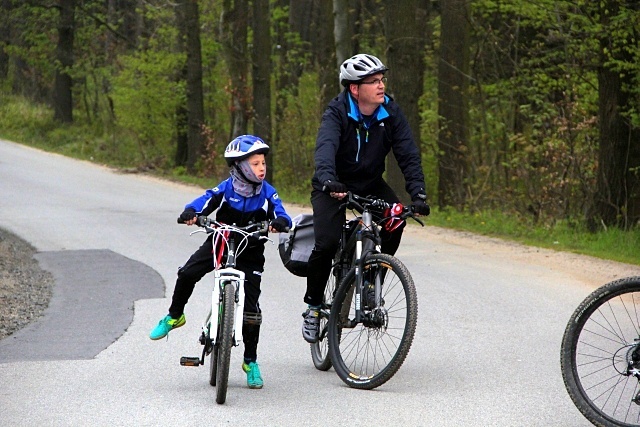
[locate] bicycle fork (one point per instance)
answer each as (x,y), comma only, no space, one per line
(208,338)
(364,246)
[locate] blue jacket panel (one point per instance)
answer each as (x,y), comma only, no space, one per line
(233,208)
(352,150)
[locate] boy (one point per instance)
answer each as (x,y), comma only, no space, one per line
(244,197)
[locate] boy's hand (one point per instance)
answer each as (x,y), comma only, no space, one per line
(188,217)
(279,225)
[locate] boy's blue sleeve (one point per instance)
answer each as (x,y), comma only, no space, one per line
(278,207)
(208,202)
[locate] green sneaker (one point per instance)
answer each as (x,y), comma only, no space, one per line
(254,379)
(167,324)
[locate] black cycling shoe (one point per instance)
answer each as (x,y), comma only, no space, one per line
(311,325)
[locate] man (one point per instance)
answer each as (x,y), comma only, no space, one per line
(358,129)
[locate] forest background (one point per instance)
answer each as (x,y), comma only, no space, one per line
(526,112)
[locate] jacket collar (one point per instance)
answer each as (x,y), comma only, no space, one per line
(353,112)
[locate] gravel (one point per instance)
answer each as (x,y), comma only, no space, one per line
(25,289)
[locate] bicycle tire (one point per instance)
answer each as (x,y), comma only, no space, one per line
(226,342)
(320,349)
(599,347)
(367,356)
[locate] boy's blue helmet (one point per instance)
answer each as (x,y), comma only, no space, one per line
(244,146)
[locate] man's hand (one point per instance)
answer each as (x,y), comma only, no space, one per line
(335,189)
(420,207)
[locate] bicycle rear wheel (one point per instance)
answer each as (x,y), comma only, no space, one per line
(368,354)
(225,342)
(600,354)
(320,349)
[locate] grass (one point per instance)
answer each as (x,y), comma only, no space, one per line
(34,126)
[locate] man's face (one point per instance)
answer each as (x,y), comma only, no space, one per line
(370,90)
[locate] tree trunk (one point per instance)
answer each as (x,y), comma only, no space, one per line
(617,199)
(342,31)
(63,101)
(195,103)
(234,39)
(326,53)
(5,37)
(262,78)
(406,69)
(453,72)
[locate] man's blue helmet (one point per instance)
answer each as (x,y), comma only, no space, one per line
(244,146)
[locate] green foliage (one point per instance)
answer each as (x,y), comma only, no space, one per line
(293,155)
(533,100)
(147,93)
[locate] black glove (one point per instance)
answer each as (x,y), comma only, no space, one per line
(280,224)
(419,205)
(187,215)
(334,187)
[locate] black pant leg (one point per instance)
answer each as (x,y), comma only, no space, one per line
(327,227)
(199,264)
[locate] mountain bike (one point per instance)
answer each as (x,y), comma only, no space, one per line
(600,354)
(222,328)
(373,310)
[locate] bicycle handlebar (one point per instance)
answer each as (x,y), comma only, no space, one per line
(204,222)
(361,203)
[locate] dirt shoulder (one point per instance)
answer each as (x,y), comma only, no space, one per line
(591,270)
(25,289)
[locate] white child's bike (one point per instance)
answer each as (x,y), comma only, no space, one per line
(222,328)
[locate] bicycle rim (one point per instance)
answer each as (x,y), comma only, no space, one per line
(600,354)
(226,342)
(320,349)
(369,354)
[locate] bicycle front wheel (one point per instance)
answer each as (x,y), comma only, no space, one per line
(368,354)
(600,354)
(225,342)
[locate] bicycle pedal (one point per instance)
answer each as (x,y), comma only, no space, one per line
(189,361)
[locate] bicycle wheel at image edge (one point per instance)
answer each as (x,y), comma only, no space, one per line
(225,342)
(370,353)
(600,354)
(320,349)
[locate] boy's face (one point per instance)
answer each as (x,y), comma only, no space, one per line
(258,165)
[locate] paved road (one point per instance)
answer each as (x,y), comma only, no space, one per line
(485,352)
